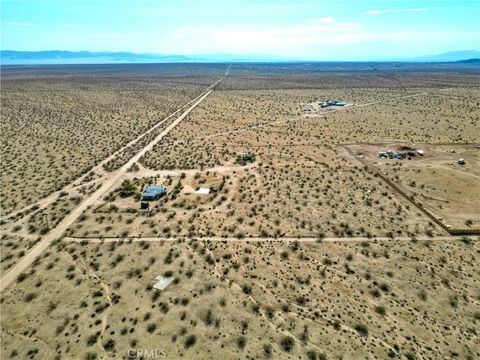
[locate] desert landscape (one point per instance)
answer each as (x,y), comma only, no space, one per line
(282,228)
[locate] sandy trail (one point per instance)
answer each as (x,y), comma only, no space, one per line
(263,239)
(144,172)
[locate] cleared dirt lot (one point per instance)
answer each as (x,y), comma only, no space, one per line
(448,190)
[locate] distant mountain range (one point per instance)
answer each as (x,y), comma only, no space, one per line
(450,56)
(13,57)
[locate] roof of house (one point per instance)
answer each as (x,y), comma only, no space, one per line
(203,191)
(154,189)
(163,282)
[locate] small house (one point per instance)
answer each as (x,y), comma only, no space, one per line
(336,103)
(163,282)
(461,161)
(420,152)
(153,192)
(382,154)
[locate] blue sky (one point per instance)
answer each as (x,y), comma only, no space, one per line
(312,29)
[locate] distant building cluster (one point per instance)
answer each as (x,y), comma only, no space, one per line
(333,103)
(408,153)
(392,154)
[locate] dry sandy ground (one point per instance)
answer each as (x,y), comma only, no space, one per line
(57,230)
(448,190)
(241,299)
(270,299)
(303,183)
(54,129)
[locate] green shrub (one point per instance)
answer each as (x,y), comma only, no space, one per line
(287,343)
(362,329)
(190,341)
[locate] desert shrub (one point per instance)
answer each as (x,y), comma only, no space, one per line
(313,355)
(267,350)
(91,356)
(51,306)
(241,342)
(109,345)
(164,308)
(151,328)
(384,287)
(29,297)
(92,339)
(362,329)
(247,289)
(422,295)
(287,343)
(301,300)
(190,341)
(270,312)
(380,310)
(21,277)
(453,300)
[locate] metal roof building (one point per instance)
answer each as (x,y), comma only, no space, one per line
(153,192)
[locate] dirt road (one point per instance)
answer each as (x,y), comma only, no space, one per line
(46,201)
(110,180)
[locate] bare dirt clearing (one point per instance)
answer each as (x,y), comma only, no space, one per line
(447,189)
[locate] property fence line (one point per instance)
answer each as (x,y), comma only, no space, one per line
(410,198)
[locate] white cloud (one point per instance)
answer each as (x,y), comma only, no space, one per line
(312,32)
(323,20)
(16,23)
(378,12)
(322,38)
